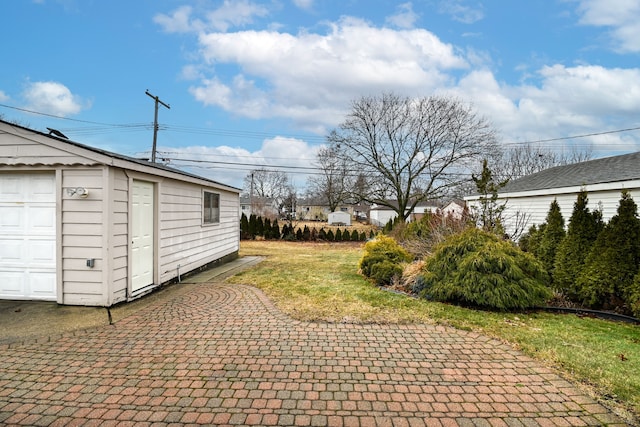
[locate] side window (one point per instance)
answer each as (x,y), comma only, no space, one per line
(210,208)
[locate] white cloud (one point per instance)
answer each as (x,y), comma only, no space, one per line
(314,76)
(3,97)
(303,4)
(179,21)
(310,78)
(461,12)
(621,16)
(52,98)
(566,101)
(232,13)
(405,17)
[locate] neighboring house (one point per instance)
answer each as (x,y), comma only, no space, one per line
(455,209)
(380,215)
(83,226)
(528,198)
(260,206)
(312,209)
(339,218)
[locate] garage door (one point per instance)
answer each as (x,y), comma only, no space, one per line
(27,236)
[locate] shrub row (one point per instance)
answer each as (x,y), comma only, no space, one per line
(258,227)
(593,264)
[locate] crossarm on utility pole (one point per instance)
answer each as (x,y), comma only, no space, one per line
(155,124)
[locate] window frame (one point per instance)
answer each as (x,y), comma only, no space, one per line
(210,212)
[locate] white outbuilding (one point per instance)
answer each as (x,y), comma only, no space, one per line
(339,218)
(528,199)
(83,226)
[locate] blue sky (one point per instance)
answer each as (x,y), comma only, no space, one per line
(255,83)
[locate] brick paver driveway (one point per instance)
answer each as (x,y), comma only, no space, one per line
(223,355)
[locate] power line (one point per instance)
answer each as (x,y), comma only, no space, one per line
(575,136)
(251,134)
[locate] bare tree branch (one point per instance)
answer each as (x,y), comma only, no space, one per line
(411,150)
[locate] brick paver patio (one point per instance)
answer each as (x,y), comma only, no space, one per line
(220,354)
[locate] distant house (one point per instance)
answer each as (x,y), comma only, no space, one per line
(315,209)
(530,197)
(312,209)
(380,215)
(83,226)
(260,206)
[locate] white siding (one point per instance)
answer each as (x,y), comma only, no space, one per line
(184,240)
(120,235)
(380,218)
(15,150)
(83,228)
(535,205)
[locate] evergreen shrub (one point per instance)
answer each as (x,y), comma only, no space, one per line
(378,254)
(611,266)
(480,269)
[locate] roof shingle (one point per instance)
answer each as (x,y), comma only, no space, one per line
(608,169)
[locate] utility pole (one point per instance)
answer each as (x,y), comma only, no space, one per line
(155,124)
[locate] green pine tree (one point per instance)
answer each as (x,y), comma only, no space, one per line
(266,228)
(611,266)
(244,227)
(583,230)
(252,226)
(259,226)
(489,213)
(275,230)
(552,236)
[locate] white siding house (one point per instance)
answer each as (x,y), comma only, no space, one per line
(83,226)
(603,179)
(380,215)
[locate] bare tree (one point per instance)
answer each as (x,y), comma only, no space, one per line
(266,187)
(525,159)
(411,150)
(332,185)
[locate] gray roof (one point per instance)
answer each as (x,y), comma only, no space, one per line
(608,169)
(143,162)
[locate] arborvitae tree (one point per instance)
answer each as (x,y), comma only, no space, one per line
(372,234)
(388,226)
(259,226)
(266,228)
(551,237)
(363,236)
(322,234)
(583,230)
(244,227)
(286,231)
(338,237)
(275,230)
(299,235)
(306,234)
(252,226)
(633,299)
(355,236)
(607,278)
(314,234)
(530,242)
(489,213)
(330,236)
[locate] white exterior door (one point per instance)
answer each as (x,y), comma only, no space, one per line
(28,236)
(142,235)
